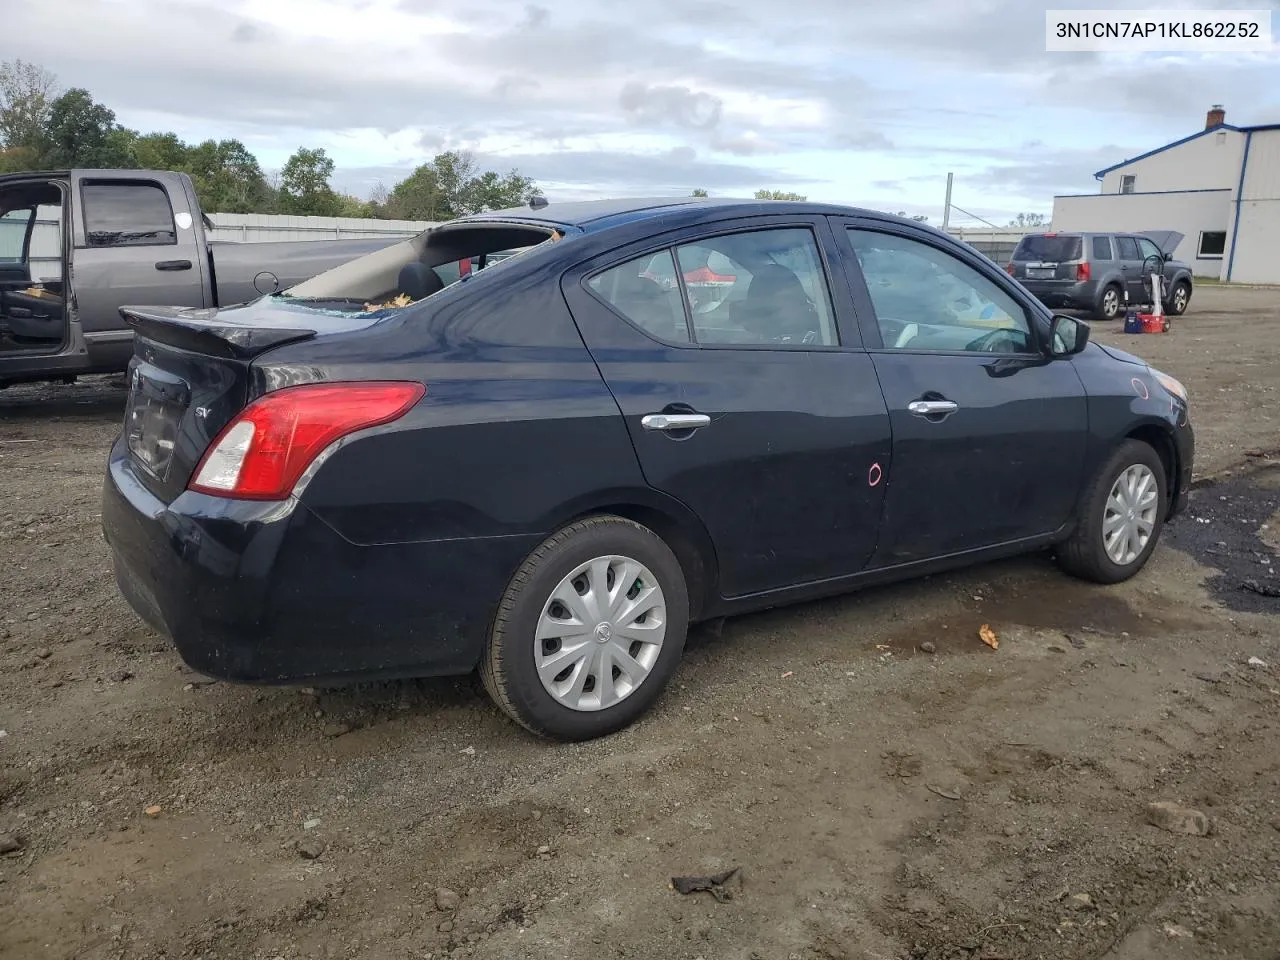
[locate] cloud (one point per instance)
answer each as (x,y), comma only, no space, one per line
(843,96)
(657,104)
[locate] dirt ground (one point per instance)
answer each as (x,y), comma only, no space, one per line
(879,800)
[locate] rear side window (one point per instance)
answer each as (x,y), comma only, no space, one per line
(645,291)
(1102,248)
(759,288)
(127,215)
(1128,248)
(1048,248)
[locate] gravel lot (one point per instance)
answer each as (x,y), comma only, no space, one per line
(879,800)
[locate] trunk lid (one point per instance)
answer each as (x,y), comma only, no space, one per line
(1047,256)
(190,376)
(1166,240)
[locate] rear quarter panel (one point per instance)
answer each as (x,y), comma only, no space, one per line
(516,433)
(237,266)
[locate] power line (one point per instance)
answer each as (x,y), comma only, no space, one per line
(974,216)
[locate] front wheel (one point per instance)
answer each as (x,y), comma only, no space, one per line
(1179,298)
(1120,517)
(589,631)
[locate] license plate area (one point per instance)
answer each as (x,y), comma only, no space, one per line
(1042,271)
(157,402)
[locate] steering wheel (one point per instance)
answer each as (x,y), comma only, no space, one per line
(996,341)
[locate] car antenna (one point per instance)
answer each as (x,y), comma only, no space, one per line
(537,202)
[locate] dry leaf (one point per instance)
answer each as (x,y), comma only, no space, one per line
(403,300)
(989,637)
(153,811)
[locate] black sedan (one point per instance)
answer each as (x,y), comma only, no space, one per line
(645,414)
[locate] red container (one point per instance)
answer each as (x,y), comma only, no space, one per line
(1152,323)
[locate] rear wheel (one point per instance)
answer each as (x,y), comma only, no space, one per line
(589,630)
(1120,516)
(1110,303)
(1179,298)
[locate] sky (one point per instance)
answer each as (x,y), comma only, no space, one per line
(849,101)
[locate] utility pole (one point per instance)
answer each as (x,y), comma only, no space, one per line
(946,207)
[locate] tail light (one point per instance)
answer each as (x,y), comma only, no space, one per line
(1009,269)
(262,453)
(1082,271)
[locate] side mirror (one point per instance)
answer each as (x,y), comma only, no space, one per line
(1067,335)
(1167,257)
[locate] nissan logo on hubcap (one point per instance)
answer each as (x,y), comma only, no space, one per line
(604,632)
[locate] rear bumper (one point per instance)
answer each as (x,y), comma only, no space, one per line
(269,593)
(1062,293)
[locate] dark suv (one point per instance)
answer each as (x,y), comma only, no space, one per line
(1101,272)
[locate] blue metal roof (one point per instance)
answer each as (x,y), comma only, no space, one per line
(1168,146)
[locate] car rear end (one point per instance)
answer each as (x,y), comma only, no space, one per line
(1055,268)
(210,543)
(301,491)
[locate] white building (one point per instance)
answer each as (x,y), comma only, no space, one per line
(1220,188)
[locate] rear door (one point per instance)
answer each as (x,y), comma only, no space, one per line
(735,360)
(1131,265)
(135,243)
(988,433)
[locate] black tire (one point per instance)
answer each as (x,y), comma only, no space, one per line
(508,667)
(1179,298)
(1110,302)
(1084,555)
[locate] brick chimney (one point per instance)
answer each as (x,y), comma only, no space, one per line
(1215,117)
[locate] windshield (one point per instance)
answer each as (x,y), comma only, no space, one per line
(1047,247)
(405,273)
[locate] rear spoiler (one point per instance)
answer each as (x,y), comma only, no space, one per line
(202,331)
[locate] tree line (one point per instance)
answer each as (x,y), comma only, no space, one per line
(43,127)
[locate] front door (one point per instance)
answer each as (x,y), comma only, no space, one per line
(723,349)
(988,433)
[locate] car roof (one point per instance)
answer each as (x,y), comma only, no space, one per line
(593,215)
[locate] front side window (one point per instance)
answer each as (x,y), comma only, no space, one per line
(1149,249)
(127,215)
(645,291)
(759,288)
(928,299)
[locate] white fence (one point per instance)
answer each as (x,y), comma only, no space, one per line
(46,239)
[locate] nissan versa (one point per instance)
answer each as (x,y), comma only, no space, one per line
(647,414)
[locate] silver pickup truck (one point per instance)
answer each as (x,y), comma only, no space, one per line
(115,237)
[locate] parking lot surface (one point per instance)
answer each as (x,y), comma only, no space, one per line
(879,800)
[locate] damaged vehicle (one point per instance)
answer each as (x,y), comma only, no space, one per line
(646,414)
(76,245)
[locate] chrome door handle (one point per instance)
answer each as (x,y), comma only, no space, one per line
(674,421)
(931,408)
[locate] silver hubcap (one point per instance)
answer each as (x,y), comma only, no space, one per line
(1180,299)
(600,633)
(1130,516)
(1110,303)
